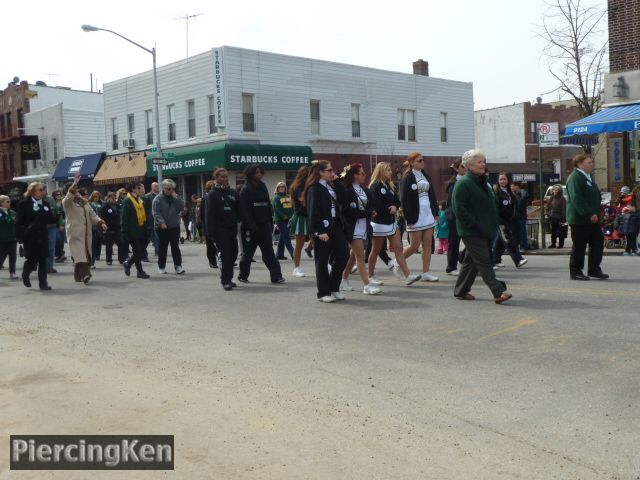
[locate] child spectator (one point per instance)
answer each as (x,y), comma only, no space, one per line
(629,226)
(442,229)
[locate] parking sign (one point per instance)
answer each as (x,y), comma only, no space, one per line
(549,134)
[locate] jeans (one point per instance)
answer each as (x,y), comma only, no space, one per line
(52,236)
(519,233)
(61,239)
(285,239)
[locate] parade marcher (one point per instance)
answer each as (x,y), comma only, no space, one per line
(506,203)
(453,252)
(81,218)
(133,221)
(110,213)
(166,217)
(257,225)
(123,245)
(386,204)
(474,206)
(33,214)
(152,233)
(95,202)
(357,208)
(282,213)
(212,251)
(326,226)
(52,233)
(520,236)
(221,221)
(149,232)
(299,224)
(198,220)
(558,217)
(420,209)
(8,244)
(583,216)
(61,234)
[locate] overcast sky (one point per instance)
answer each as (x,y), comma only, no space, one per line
(491,43)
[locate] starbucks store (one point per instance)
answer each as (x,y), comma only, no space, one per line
(191,167)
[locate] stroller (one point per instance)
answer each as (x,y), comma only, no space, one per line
(612,236)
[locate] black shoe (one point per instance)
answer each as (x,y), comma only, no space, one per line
(127,268)
(26,281)
(281,257)
(181,240)
(45,288)
(553,245)
(599,275)
(86,279)
(52,270)
(142,274)
(227,286)
(308,252)
(213,265)
(579,276)
(253,261)
(233,284)
(243,280)
(146,260)
(279,280)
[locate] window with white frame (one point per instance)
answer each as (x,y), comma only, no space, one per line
(355,120)
(131,125)
(114,134)
(148,126)
(54,144)
(407,125)
(443,126)
(212,114)
(248,118)
(191,118)
(171,122)
(314,106)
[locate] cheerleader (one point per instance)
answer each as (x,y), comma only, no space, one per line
(383,223)
(420,209)
(321,200)
(356,210)
(299,224)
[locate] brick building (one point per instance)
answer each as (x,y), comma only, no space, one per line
(14,104)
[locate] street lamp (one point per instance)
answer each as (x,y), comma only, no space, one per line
(540,183)
(152,51)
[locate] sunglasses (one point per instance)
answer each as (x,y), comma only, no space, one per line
(328,170)
(40,189)
(420,160)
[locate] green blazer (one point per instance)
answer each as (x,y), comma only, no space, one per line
(474,206)
(129,228)
(584,199)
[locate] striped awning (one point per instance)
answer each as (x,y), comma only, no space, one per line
(623,118)
(118,169)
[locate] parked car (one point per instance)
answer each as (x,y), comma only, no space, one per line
(547,195)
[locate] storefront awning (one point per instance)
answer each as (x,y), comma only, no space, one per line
(32,178)
(119,169)
(624,118)
(87,165)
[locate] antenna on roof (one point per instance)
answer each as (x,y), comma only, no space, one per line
(186,19)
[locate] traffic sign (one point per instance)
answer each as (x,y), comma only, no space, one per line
(165,154)
(159,161)
(549,134)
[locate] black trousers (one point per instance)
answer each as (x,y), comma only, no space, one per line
(477,260)
(212,251)
(8,249)
(123,250)
(336,249)
(453,253)
(261,238)
(137,251)
(632,244)
(557,233)
(583,235)
(96,245)
(170,236)
(505,242)
(39,263)
(226,242)
(109,240)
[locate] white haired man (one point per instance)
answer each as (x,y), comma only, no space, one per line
(476,214)
(167,207)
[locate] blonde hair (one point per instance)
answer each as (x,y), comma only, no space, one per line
(281,184)
(4,198)
(94,194)
(32,188)
(120,192)
(379,174)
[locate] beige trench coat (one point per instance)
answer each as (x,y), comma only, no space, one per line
(80,219)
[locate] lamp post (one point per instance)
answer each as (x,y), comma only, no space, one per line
(152,51)
(540,183)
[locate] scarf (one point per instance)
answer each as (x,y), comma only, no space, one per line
(140,212)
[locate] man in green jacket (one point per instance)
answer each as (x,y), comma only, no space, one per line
(133,222)
(583,215)
(474,206)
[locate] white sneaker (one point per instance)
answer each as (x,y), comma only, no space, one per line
(354,269)
(339,295)
(392,265)
(500,265)
(397,271)
(327,299)
(162,270)
(427,277)
(180,270)
(346,285)
(522,262)
(375,281)
(411,279)
(495,267)
(298,272)
(453,273)
(371,290)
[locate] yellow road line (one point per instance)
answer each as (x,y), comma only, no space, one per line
(512,328)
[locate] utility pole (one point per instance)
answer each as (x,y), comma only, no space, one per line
(186,19)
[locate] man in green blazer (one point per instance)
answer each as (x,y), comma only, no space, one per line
(583,216)
(133,222)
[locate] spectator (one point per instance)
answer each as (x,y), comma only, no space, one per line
(520,235)
(8,242)
(629,224)
(558,217)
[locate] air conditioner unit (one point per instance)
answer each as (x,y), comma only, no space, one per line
(129,143)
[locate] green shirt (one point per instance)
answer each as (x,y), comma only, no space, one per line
(7,226)
(475,208)
(282,207)
(584,199)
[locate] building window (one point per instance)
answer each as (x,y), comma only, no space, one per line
(248,119)
(131,125)
(9,126)
(443,127)
(20,118)
(2,132)
(171,120)
(407,125)
(355,120)
(43,150)
(212,114)
(314,106)
(191,118)
(114,134)
(148,125)
(54,143)
(534,132)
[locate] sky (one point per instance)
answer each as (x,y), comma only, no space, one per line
(491,43)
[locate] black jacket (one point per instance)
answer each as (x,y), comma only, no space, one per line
(221,207)
(351,212)
(110,213)
(383,197)
(255,206)
(410,197)
(521,205)
(31,227)
(298,207)
(129,228)
(319,209)
(506,202)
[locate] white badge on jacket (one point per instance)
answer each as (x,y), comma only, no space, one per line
(414,187)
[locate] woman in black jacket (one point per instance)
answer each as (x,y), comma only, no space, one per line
(506,201)
(420,209)
(32,216)
(453,252)
(257,225)
(326,226)
(110,213)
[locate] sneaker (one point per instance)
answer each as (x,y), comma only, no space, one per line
(327,299)
(453,273)
(13,276)
(86,279)
(180,270)
(242,279)
(281,257)
(522,262)
(375,281)
(499,265)
(397,271)
(371,290)
(495,267)
(213,265)
(142,274)
(339,295)
(298,272)
(346,286)
(427,277)
(45,288)
(392,265)
(411,279)
(626,254)
(354,269)
(162,270)
(127,268)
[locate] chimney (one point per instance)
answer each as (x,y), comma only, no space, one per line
(420,67)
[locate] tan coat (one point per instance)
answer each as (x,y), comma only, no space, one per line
(80,219)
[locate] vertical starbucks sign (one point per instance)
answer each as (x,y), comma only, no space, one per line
(218,96)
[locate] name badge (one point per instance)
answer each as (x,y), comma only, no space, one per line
(383,191)
(46,209)
(414,187)
(325,223)
(353,205)
(505,202)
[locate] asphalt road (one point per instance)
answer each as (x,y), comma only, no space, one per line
(266,382)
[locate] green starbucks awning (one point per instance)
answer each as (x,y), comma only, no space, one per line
(233,156)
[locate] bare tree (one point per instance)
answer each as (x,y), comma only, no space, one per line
(576,49)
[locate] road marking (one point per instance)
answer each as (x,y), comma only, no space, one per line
(579,291)
(512,328)
(615,356)
(455,330)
